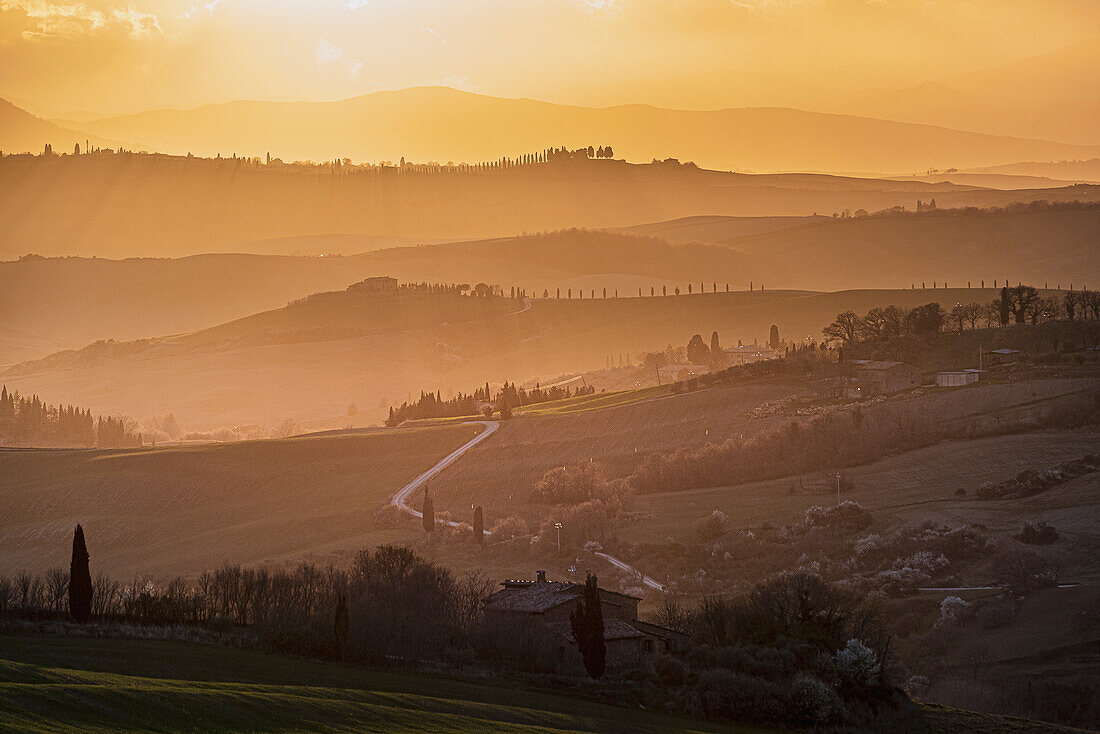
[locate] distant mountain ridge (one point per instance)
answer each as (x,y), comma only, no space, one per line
(22,132)
(441,124)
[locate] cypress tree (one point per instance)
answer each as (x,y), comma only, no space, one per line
(773,337)
(586,622)
(80,580)
(479,525)
(429,514)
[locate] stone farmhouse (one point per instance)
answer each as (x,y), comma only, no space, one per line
(377,284)
(882,378)
(529,621)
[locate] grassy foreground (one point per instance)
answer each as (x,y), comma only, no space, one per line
(51,684)
(67,684)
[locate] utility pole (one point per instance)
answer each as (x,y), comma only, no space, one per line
(838,488)
(558,526)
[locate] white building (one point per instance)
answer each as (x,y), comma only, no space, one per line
(957,378)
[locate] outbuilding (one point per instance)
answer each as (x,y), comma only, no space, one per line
(957,378)
(875,377)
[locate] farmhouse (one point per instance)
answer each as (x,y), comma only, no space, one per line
(748,353)
(529,620)
(881,378)
(377,284)
(678,372)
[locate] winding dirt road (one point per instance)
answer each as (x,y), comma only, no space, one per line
(401,497)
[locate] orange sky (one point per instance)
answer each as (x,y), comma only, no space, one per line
(117,56)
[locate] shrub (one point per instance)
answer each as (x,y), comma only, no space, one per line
(953,611)
(509,528)
(1022,570)
(1037,534)
(712,527)
(720,694)
(569,485)
(858,663)
(812,701)
(670,671)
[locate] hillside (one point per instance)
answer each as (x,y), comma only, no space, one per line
(239,690)
(22,132)
(1051,96)
(1069,119)
(155,685)
(146,297)
(310,360)
(1087,171)
(182,509)
(1072,72)
(123,205)
(439,123)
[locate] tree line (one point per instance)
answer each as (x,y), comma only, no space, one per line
(482,401)
(793,650)
(31,422)
(1019,304)
(345,166)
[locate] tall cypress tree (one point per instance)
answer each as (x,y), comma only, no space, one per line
(1006,306)
(429,514)
(586,621)
(80,580)
(479,525)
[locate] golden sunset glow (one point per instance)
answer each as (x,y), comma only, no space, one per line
(111,56)
(610,366)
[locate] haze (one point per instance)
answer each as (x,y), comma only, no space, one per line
(627,366)
(113,57)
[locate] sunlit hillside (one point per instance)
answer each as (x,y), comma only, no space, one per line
(333,350)
(122,205)
(139,298)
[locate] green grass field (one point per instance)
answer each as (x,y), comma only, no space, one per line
(597,401)
(51,684)
(66,684)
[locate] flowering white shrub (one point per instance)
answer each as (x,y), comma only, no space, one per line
(867,544)
(952,611)
(858,662)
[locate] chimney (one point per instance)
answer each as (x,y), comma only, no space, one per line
(541,576)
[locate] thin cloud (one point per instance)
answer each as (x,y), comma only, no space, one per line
(68,20)
(209,7)
(328,53)
(356,4)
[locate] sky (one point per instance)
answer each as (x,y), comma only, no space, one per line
(113,56)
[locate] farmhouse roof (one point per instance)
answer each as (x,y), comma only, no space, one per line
(1004,351)
(535,597)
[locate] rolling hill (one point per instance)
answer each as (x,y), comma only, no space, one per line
(22,132)
(310,360)
(440,123)
(1051,96)
(147,297)
(126,205)
(151,684)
